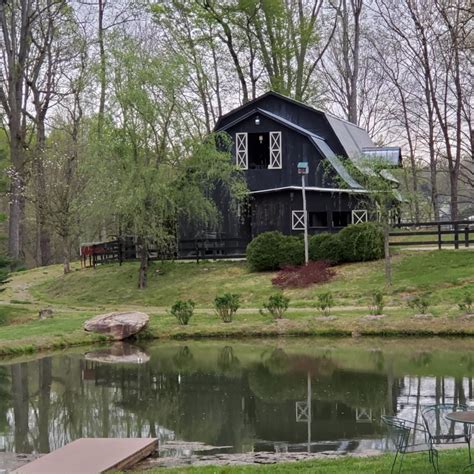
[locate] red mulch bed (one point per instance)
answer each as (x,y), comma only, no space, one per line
(304,275)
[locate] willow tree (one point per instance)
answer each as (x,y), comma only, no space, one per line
(150,178)
(382,197)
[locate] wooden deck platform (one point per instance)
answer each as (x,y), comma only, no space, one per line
(92,456)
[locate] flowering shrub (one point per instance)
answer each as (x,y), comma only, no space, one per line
(301,277)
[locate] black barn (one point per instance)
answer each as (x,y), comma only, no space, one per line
(271,135)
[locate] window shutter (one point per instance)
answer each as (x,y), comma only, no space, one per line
(275,150)
(241,151)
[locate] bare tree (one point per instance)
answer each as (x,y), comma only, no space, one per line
(435,34)
(17,19)
(50,49)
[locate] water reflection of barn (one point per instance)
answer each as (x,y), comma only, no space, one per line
(235,405)
(242,394)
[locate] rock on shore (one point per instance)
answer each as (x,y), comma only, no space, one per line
(117,325)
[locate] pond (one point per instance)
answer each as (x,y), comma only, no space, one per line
(273,395)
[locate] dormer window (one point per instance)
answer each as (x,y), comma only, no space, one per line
(260,150)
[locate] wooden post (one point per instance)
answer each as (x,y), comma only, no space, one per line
(439,237)
(466,236)
(456,236)
(196,244)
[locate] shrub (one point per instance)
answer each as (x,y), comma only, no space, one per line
(183,310)
(325,246)
(226,306)
(300,277)
(378,303)
(361,242)
(277,305)
(420,302)
(466,303)
(264,252)
(291,251)
(325,303)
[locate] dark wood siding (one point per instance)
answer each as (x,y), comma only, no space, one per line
(295,148)
(272,211)
(312,120)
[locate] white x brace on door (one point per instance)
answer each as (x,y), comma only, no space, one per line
(241,151)
(275,150)
(298,220)
(359,216)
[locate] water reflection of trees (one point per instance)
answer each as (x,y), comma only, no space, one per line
(221,395)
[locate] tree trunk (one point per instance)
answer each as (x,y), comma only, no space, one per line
(102,69)
(21,405)
(43,240)
(454,181)
(66,255)
(386,246)
(143,272)
(44,387)
(14,218)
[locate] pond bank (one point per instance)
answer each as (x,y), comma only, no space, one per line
(65,330)
(451,460)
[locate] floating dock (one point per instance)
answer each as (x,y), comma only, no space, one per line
(92,456)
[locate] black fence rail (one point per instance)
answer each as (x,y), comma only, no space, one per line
(121,250)
(211,249)
(458,233)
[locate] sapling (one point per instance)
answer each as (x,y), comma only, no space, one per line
(325,303)
(183,310)
(277,305)
(378,303)
(466,303)
(420,302)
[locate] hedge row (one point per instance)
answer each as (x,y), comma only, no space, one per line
(355,243)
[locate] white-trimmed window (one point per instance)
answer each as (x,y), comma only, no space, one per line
(359,216)
(241,150)
(275,150)
(298,220)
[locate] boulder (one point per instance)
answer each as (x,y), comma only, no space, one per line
(45,313)
(118,326)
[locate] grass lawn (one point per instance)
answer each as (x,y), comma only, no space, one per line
(446,275)
(449,461)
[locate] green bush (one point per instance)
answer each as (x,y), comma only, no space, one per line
(378,303)
(226,306)
(277,305)
(325,246)
(325,303)
(291,251)
(361,242)
(264,252)
(466,303)
(183,311)
(420,303)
